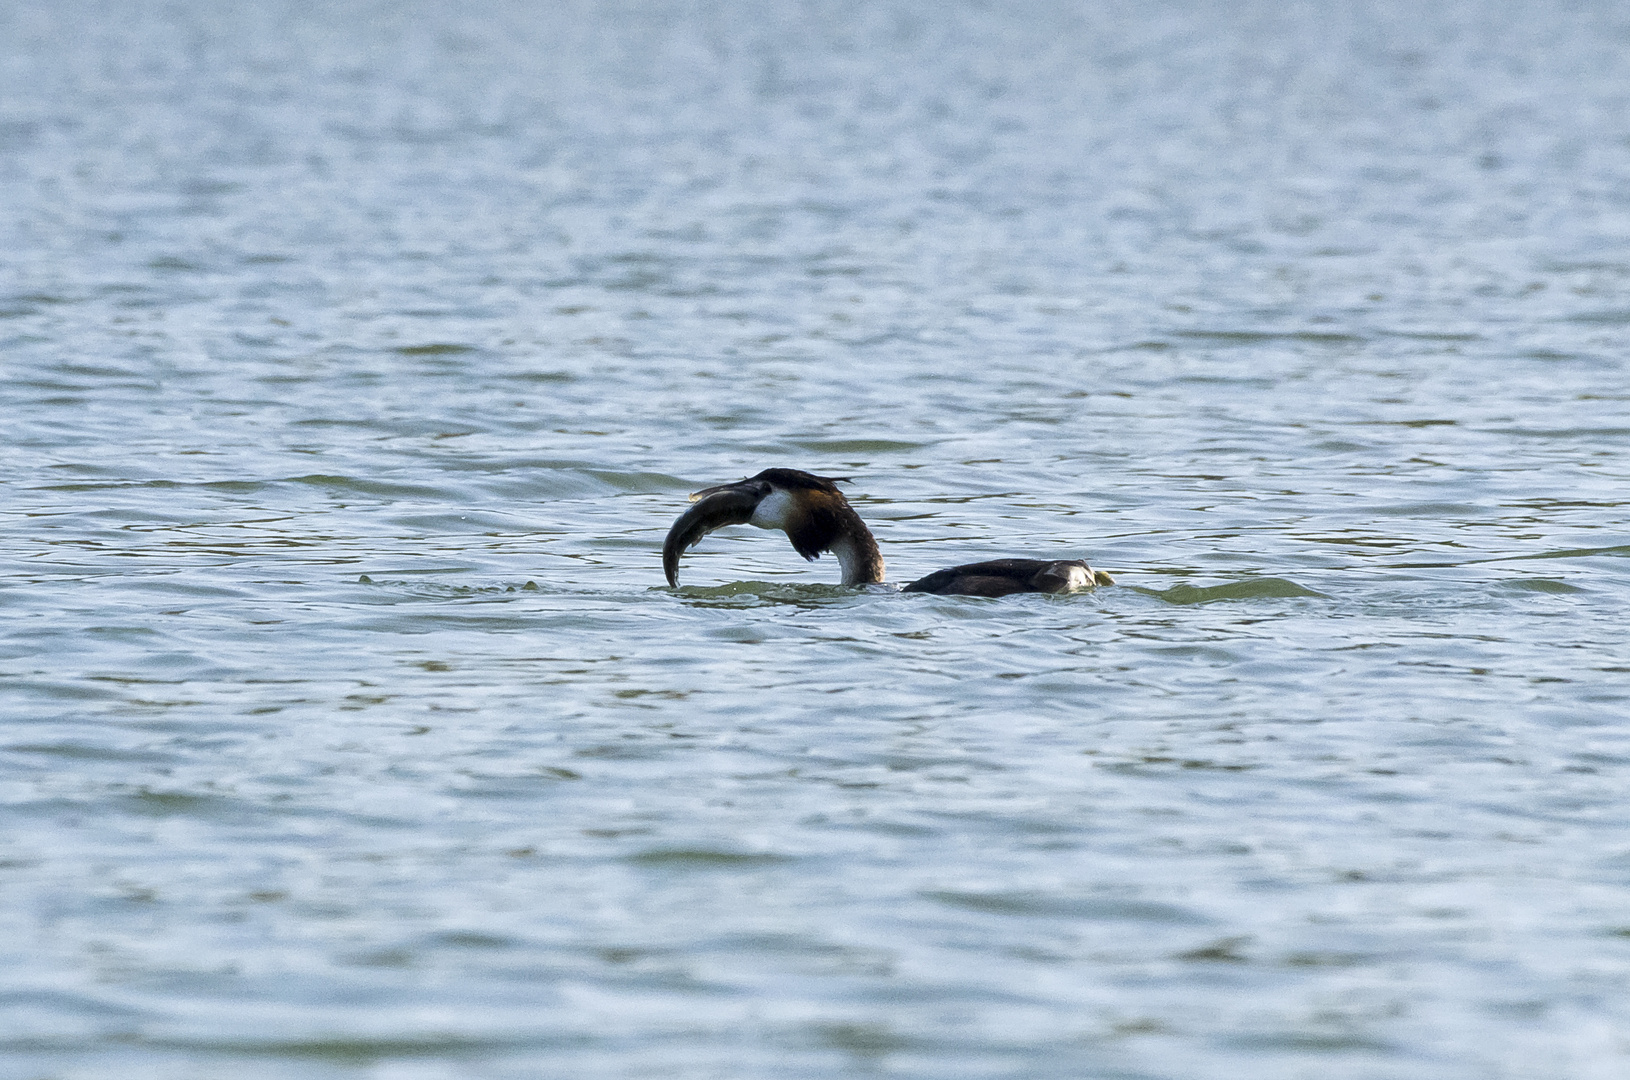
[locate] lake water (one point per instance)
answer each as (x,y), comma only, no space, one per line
(358,356)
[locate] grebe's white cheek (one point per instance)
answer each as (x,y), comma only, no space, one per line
(773,511)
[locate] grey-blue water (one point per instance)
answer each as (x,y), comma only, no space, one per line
(357,357)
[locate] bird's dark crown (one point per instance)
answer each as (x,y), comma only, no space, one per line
(798,480)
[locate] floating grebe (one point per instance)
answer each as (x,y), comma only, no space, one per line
(816,518)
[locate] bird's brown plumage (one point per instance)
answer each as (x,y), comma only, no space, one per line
(817,518)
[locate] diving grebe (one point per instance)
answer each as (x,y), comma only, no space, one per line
(816,517)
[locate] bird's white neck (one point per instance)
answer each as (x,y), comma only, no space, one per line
(830,525)
(775,511)
(860,562)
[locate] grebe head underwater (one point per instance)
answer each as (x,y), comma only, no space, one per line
(817,518)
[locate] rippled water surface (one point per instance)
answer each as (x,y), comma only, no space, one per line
(358,356)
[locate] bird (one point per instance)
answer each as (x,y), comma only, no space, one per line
(817,518)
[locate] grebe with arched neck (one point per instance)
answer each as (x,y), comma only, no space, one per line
(817,518)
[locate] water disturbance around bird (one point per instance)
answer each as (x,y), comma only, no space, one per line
(359,356)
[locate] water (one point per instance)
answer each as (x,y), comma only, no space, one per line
(358,357)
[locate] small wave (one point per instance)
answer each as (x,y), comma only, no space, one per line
(1537,585)
(350,1051)
(857,446)
(352,485)
(637,482)
(437,590)
(1267,588)
(1066,907)
(434,349)
(754,593)
(1601,318)
(705,858)
(1257,337)
(1575,553)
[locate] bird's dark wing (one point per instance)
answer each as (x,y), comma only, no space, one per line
(729,505)
(1000,577)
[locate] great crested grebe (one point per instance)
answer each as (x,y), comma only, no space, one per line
(816,517)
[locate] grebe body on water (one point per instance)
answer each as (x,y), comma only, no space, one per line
(817,518)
